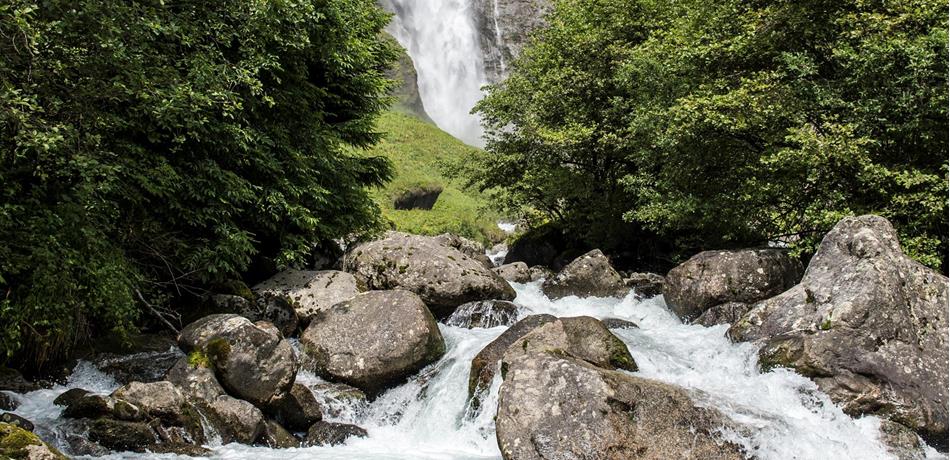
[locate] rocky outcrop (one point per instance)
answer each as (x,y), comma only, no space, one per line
(711,278)
(727,313)
(504,27)
(484,313)
(406,92)
(374,340)
(516,272)
(17,443)
(645,284)
(332,434)
(310,291)
(486,361)
(867,324)
(252,362)
(554,406)
(590,275)
(441,275)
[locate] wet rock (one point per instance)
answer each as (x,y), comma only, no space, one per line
(441,275)
(251,362)
(276,309)
(146,361)
(276,436)
(374,340)
(406,92)
(332,434)
(617,323)
(310,291)
(196,380)
(337,399)
(236,420)
(538,272)
(901,442)
(470,248)
(712,278)
(17,443)
(867,324)
(504,27)
(122,436)
(7,402)
(297,409)
(158,399)
(423,198)
(581,337)
(515,272)
(78,444)
(89,406)
(16,420)
(590,275)
(727,313)
(645,284)
(486,361)
(190,450)
(484,313)
(552,406)
(70,396)
(12,380)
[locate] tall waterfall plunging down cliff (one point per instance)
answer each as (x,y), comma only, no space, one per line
(441,38)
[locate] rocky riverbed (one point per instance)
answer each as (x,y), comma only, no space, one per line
(422,348)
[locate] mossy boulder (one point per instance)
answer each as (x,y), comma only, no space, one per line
(20,444)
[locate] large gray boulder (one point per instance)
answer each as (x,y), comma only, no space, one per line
(471,248)
(195,380)
(252,362)
(555,406)
(486,361)
(590,275)
(297,409)
(727,313)
(236,420)
(374,340)
(867,324)
(310,291)
(162,400)
(441,275)
(711,278)
(516,272)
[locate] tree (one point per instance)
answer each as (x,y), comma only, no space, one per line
(728,123)
(151,149)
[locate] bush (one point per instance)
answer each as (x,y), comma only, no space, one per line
(151,149)
(716,124)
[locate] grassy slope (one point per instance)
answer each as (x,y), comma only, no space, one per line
(421,153)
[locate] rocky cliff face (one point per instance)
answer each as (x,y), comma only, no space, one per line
(503,28)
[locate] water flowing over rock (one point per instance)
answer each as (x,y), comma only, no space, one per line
(310,291)
(516,272)
(553,406)
(590,275)
(441,275)
(867,324)
(711,278)
(374,340)
(251,362)
(503,30)
(484,313)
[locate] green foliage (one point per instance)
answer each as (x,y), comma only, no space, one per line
(424,156)
(150,149)
(728,123)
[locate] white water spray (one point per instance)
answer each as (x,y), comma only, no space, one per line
(442,41)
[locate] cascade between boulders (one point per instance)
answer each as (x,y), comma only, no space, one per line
(583,363)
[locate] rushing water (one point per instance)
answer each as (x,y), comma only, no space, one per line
(426,418)
(441,38)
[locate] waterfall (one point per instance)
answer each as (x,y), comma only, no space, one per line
(441,38)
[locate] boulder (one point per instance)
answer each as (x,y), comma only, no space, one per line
(297,409)
(121,435)
(711,278)
(338,399)
(901,441)
(486,361)
(310,291)
(374,340)
(276,436)
(16,420)
(277,309)
(196,380)
(515,272)
(645,284)
(441,275)
(553,406)
(617,323)
(161,400)
(471,248)
(590,275)
(15,442)
(70,396)
(484,313)
(538,272)
(727,313)
(867,324)
(581,337)
(251,362)
(7,402)
(332,434)
(236,420)
(147,361)
(88,406)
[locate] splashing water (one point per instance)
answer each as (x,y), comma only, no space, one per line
(441,39)
(783,414)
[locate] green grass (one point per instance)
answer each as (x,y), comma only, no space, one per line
(422,154)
